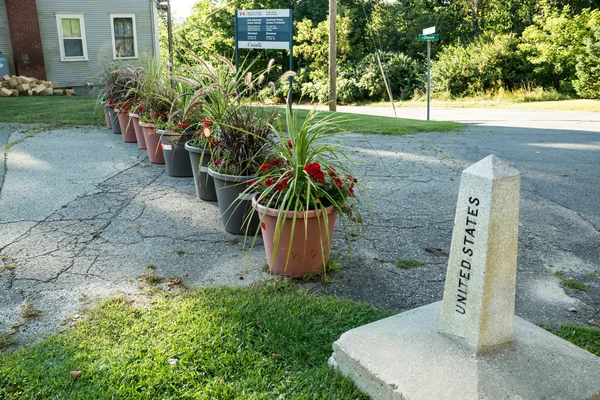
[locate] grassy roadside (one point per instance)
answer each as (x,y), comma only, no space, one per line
(558,105)
(82,110)
(360,123)
(267,341)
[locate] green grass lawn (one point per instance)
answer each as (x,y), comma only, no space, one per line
(82,110)
(359,123)
(268,341)
(52,110)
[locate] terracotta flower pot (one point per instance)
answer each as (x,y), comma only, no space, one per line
(126,127)
(235,206)
(139,134)
(107,116)
(205,184)
(152,139)
(309,247)
(114,121)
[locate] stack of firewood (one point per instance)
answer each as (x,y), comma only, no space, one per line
(24,86)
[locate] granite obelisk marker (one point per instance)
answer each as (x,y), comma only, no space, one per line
(479,297)
(428,352)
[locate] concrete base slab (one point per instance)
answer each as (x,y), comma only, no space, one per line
(405,357)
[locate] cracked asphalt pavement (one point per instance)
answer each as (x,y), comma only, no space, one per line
(83,214)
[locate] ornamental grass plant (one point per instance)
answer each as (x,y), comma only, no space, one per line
(306,171)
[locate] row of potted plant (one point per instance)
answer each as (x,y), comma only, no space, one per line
(281,177)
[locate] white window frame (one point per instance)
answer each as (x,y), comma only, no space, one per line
(112,33)
(61,43)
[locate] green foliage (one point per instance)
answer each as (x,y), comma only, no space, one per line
(555,42)
(571,283)
(269,341)
(587,84)
(487,64)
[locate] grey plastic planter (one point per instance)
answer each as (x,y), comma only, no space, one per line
(235,206)
(205,184)
(177,160)
(114,120)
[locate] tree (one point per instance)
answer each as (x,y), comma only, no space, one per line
(588,68)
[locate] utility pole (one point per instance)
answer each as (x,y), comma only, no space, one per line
(170,33)
(332,54)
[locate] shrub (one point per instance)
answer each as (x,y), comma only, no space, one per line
(487,64)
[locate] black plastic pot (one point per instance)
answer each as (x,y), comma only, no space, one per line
(177,160)
(205,184)
(237,214)
(114,120)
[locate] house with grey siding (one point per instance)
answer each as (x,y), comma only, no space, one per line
(63,41)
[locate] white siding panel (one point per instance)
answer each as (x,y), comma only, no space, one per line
(98,35)
(5,46)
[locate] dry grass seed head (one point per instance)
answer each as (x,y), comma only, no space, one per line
(29,312)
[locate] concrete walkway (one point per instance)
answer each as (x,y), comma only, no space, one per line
(82,214)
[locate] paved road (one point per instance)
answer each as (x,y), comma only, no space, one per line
(82,214)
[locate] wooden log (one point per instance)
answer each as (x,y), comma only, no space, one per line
(70,92)
(15,92)
(25,87)
(13,83)
(30,92)
(6,77)
(59,92)
(39,89)
(49,91)
(5,92)
(48,84)
(26,80)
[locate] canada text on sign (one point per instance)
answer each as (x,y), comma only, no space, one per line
(264,29)
(433,37)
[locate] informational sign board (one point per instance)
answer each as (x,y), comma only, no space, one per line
(264,29)
(429,31)
(433,37)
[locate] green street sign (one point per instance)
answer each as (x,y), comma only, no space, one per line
(434,37)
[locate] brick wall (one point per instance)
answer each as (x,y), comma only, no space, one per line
(25,37)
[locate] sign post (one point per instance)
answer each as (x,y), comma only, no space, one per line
(429,35)
(264,29)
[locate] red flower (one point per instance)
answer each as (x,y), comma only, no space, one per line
(111,103)
(207,123)
(269,182)
(252,182)
(265,167)
(338,182)
(218,162)
(186,124)
(289,143)
(282,184)
(314,170)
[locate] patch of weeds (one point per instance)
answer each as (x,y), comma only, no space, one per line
(28,311)
(586,337)
(571,283)
(550,265)
(332,265)
(136,227)
(151,278)
(179,252)
(63,206)
(408,264)
(151,266)
(8,268)
(6,341)
(592,274)
(233,241)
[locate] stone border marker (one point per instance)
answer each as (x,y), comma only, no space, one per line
(471,345)
(479,298)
